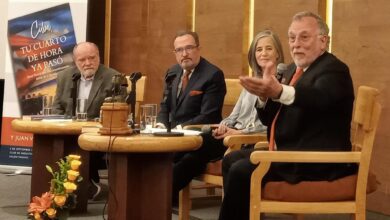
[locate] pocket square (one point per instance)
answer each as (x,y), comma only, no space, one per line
(195,92)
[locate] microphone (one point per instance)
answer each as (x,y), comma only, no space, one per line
(132,96)
(280,70)
(206,129)
(168,89)
(73,95)
(170,76)
(134,77)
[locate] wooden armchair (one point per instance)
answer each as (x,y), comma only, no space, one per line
(212,177)
(345,195)
(213,174)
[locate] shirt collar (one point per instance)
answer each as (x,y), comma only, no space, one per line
(89,79)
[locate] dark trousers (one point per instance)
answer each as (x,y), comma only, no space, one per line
(96,162)
(236,170)
(188,165)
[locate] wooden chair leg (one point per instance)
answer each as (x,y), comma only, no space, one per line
(184,203)
(360,216)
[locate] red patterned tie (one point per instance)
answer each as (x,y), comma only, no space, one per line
(298,73)
(184,81)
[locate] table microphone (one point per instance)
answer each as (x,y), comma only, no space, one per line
(206,129)
(132,96)
(169,78)
(73,95)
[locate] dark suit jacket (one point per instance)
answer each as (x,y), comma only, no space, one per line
(202,100)
(318,119)
(101,88)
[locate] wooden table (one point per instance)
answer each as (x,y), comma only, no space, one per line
(140,172)
(52,141)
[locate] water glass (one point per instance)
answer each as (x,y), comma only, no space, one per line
(47,104)
(148,116)
(153,114)
(81,110)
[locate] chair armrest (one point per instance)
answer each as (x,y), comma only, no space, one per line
(262,145)
(305,157)
(234,142)
(199,127)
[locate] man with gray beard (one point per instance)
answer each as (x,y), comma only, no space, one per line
(94,83)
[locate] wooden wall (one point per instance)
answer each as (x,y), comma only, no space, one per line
(221,33)
(142,34)
(95,24)
(361,38)
(276,15)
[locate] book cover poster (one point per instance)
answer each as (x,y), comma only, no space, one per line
(41,45)
(41,36)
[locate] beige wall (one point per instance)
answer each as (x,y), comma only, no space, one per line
(221,33)
(361,38)
(276,15)
(141,39)
(143,30)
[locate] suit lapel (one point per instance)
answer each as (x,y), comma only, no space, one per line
(96,84)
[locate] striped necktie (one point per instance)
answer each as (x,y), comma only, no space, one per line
(185,79)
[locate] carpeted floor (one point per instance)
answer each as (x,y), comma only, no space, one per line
(15,190)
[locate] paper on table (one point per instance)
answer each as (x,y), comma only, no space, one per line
(186,132)
(57,120)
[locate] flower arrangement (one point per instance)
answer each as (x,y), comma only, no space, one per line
(56,203)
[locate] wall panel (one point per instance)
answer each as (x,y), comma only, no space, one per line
(276,15)
(127,32)
(142,39)
(95,24)
(220,28)
(361,38)
(165,18)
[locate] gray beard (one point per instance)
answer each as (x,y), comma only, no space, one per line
(88,74)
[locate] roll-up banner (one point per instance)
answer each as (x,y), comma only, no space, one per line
(41,36)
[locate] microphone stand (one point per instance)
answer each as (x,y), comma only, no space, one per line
(167,99)
(131,98)
(75,78)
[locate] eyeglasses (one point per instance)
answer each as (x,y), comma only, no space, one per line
(301,38)
(188,49)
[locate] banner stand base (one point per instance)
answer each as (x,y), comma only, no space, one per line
(15,170)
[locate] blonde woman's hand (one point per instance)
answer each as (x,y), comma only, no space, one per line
(222,131)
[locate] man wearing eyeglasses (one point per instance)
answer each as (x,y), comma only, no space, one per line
(93,82)
(197,95)
(312,112)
